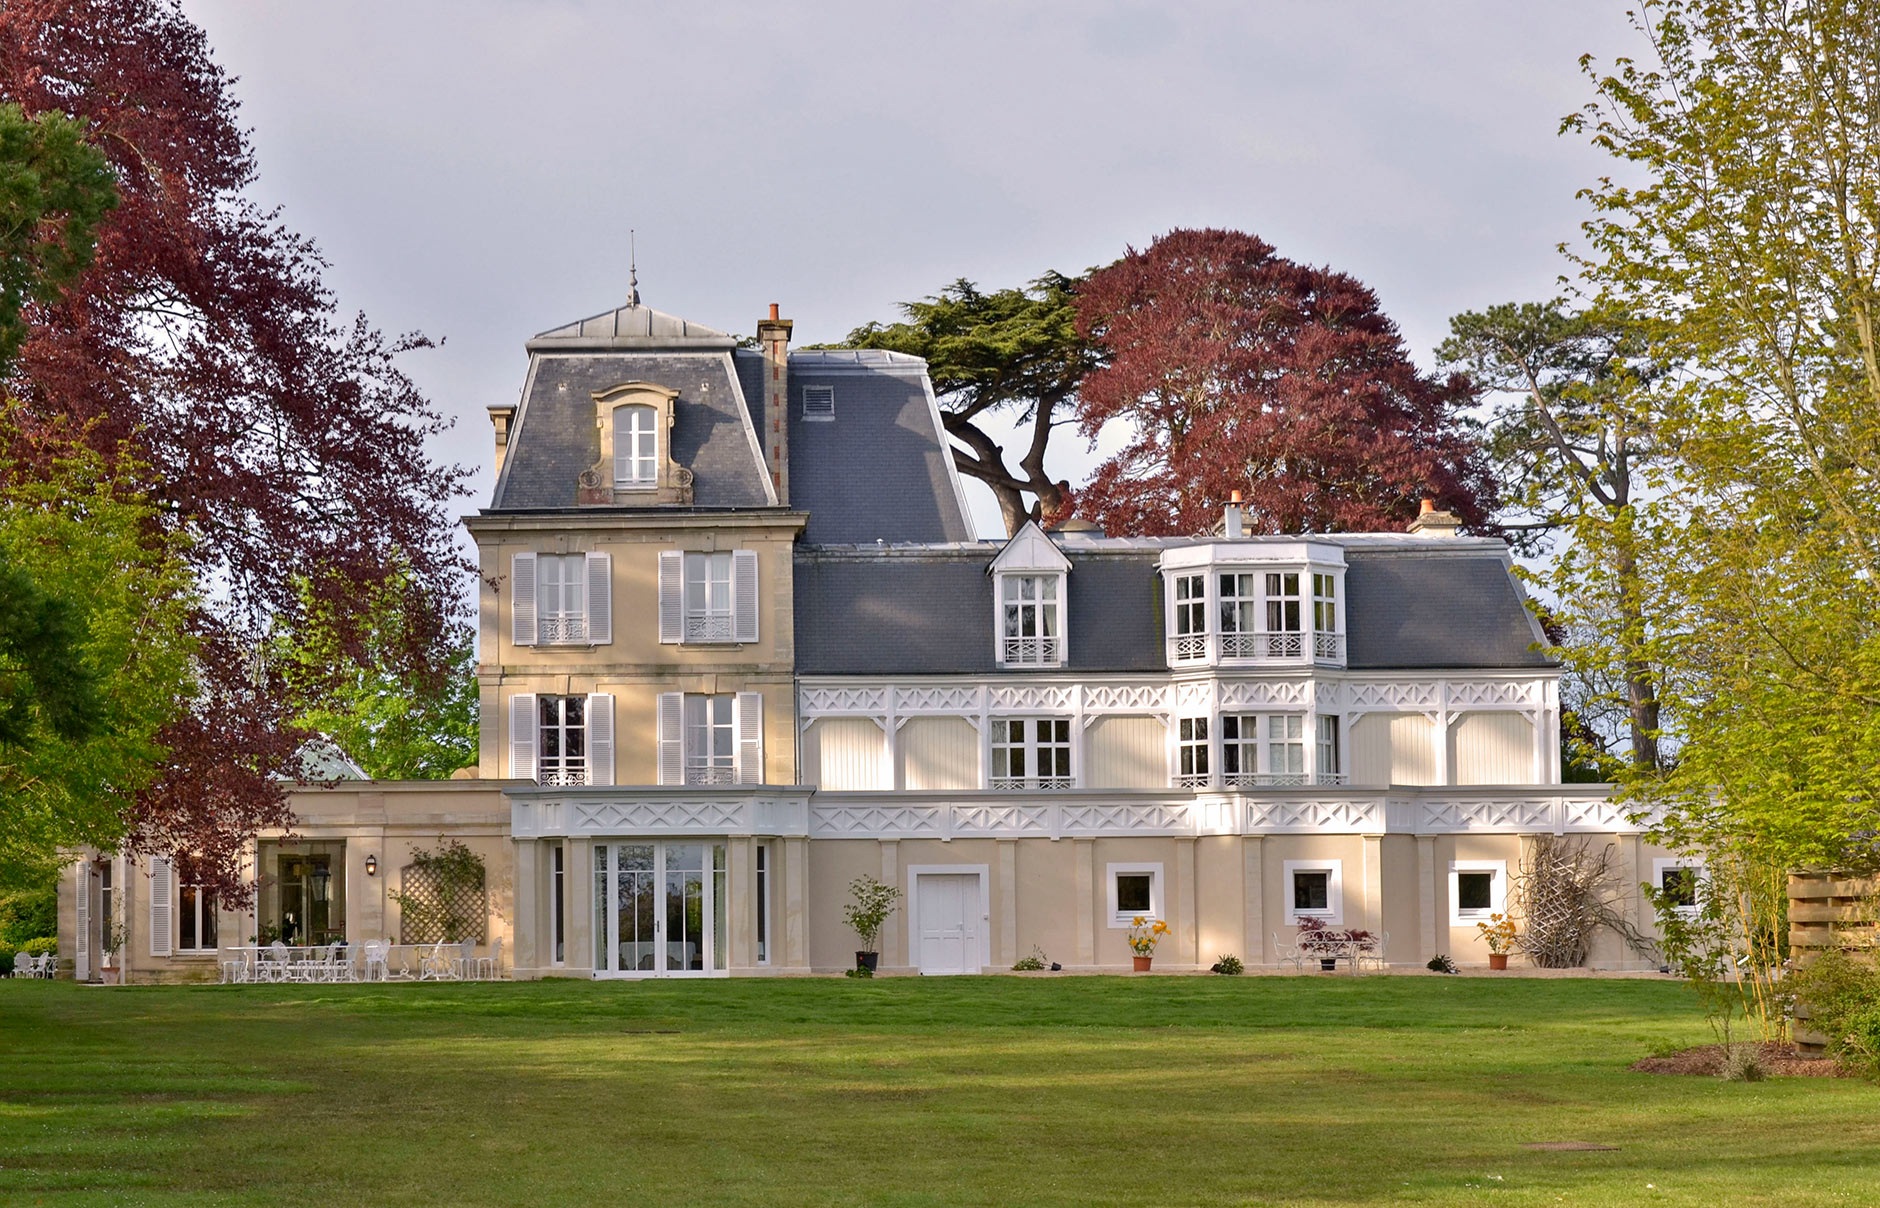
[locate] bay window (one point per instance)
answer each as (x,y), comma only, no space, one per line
(1192,750)
(1240,750)
(1283,616)
(1191,617)
(1240,613)
(1031,753)
(1285,748)
(1329,769)
(1325,633)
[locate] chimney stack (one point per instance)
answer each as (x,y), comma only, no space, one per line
(773,339)
(503,417)
(1433,521)
(1231,522)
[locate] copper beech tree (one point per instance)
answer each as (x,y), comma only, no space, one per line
(281,439)
(1238,369)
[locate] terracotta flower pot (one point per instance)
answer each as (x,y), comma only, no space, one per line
(1142,963)
(1498,960)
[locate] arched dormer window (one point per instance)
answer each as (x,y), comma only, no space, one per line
(636,448)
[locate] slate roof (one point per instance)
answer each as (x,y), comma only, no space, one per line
(555,437)
(928,611)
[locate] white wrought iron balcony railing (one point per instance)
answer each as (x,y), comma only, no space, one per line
(1188,648)
(1031,783)
(1251,780)
(707,627)
(1292,647)
(1329,647)
(1193,780)
(561,630)
(562,774)
(1035,652)
(701,772)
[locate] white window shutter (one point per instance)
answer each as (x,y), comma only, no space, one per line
(671,595)
(522,598)
(81,966)
(600,738)
(522,736)
(744,595)
(750,738)
(600,598)
(162,893)
(671,737)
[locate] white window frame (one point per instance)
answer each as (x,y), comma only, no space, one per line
(1273,737)
(1031,745)
(200,949)
(704,623)
(1328,750)
(1188,616)
(1334,912)
(1283,642)
(561,612)
(564,774)
(1040,648)
(1157,903)
(1241,641)
(1663,864)
(701,766)
(642,468)
(1328,641)
(1243,744)
(1497,893)
(1194,753)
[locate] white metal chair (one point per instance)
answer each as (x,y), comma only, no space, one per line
(1375,956)
(24,965)
(492,965)
(464,964)
(435,963)
(376,966)
(48,965)
(275,964)
(339,967)
(1289,954)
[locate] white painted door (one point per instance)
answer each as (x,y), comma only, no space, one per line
(949,938)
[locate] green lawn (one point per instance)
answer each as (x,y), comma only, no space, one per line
(1143,1091)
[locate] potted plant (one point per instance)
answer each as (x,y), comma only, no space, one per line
(873,903)
(1499,931)
(1144,934)
(110,941)
(1328,943)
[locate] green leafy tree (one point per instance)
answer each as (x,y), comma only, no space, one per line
(397,723)
(54,188)
(1743,238)
(105,608)
(1013,351)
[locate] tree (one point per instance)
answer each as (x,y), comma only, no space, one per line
(280,440)
(1240,370)
(1572,440)
(1013,350)
(97,658)
(396,722)
(54,187)
(1743,238)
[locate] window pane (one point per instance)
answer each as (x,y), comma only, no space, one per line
(1475,890)
(187,917)
(1312,890)
(207,935)
(1680,886)
(1133,893)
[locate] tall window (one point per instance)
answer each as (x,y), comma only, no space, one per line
(1192,753)
(1330,772)
(708,598)
(561,598)
(1031,753)
(1031,625)
(558,890)
(1283,615)
(561,741)
(1285,748)
(710,740)
(195,919)
(1240,750)
(1191,617)
(1325,616)
(1240,613)
(763,903)
(636,447)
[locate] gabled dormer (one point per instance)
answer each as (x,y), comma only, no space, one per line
(1255,602)
(1029,597)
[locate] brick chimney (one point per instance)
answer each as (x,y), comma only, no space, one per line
(1433,521)
(773,338)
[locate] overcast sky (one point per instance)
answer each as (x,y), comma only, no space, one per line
(471,169)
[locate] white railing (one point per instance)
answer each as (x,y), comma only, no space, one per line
(1253,780)
(1037,652)
(1188,648)
(708,627)
(562,773)
(555,630)
(1028,784)
(702,772)
(1329,647)
(1193,780)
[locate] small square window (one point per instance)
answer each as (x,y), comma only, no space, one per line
(1133,893)
(1475,891)
(1312,890)
(1680,887)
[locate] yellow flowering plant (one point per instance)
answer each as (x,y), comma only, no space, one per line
(1499,931)
(1145,933)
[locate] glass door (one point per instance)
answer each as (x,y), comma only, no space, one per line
(659,909)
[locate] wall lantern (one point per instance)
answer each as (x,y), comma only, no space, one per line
(372,866)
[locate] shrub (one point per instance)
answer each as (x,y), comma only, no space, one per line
(1033,963)
(1229,965)
(42,945)
(1440,963)
(1741,1064)
(1843,997)
(873,903)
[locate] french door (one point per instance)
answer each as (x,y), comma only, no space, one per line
(659,909)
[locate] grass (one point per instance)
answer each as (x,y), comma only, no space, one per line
(903,1092)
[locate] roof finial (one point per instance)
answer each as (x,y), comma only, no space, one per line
(633,270)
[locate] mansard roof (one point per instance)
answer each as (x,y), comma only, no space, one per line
(628,327)
(1411,604)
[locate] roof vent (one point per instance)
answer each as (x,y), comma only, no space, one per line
(819,402)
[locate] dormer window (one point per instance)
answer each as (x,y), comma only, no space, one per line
(1029,621)
(1283,615)
(1325,628)
(636,448)
(1229,604)
(1240,616)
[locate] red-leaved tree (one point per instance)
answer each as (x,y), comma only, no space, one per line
(1240,370)
(279,435)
